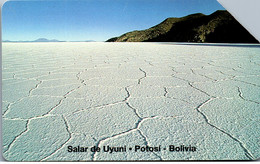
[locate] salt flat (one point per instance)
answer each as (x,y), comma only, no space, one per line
(57,95)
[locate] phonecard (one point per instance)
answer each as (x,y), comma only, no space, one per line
(133,80)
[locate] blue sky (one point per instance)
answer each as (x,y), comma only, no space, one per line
(80,20)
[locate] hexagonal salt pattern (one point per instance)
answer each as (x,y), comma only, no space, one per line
(58,96)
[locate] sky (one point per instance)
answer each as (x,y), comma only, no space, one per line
(99,20)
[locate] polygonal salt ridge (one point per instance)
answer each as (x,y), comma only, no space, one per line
(255,61)
(247,63)
(157,71)
(5,106)
(250,71)
(103,121)
(163,81)
(40,68)
(29,72)
(59,90)
(105,66)
(18,84)
(236,73)
(14,96)
(187,94)
(9,134)
(13,66)
(232,64)
(71,105)
(249,136)
(191,64)
(110,82)
(181,69)
(221,89)
(42,136)
(143,91)
(192,78)
(7,75)
(241,111)
(249,93)
(70,69)
(99,93)
(58,82)
(208,69)
(167,62)
(165,107)
(78,66)
(219,76)
(253,80)
(31,75)
(127,140)
(33,106)
(170,131)
(122,73)
(76,140)
(238,119)
(67,75)
(218,64)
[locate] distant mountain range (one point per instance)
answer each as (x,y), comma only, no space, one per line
(37,40)
(47,40)
(219,27)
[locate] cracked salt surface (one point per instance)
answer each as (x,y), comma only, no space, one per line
(126,94)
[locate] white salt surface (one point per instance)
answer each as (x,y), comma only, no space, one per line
(57,95)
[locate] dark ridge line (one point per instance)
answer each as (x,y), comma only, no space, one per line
(166,92)
(145,75)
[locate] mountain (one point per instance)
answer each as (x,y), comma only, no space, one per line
(219,27)
(46,40)
(38,40)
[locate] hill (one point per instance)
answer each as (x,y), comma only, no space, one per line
(219,27)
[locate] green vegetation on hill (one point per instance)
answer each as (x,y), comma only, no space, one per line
(219,27)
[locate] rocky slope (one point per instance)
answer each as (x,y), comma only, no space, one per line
(219,27)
